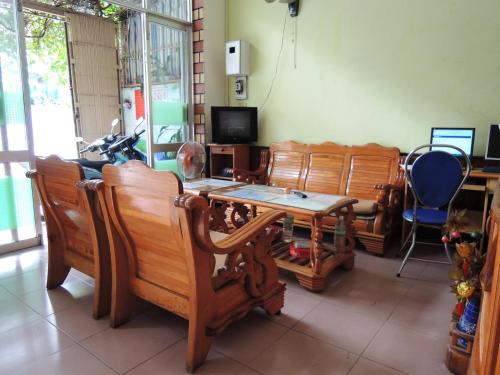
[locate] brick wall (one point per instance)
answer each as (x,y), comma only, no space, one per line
(198,70)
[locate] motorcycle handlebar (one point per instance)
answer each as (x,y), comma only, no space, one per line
(117,145)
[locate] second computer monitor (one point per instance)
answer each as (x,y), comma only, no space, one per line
(462,138)
(493,145)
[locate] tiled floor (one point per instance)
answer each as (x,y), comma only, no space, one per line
(366,322)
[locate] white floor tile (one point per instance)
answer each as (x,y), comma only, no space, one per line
(295,353)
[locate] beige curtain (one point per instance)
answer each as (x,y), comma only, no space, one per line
(93,55)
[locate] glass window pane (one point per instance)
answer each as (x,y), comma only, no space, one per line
(132,76)
(168,84)
(12,121)
(166,161)
(17,221)
(173,8)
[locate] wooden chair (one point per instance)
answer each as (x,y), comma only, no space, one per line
(75,228)
(162,251)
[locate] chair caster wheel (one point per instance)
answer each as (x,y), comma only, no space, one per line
(398,275)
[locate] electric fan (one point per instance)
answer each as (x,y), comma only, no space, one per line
(191,159)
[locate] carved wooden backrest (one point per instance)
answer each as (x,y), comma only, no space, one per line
(287,165)
(326,170)
(146,225)
(333,169)
(369,165)
(64,207)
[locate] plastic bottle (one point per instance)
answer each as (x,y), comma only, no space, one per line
(340,235)
(288,229)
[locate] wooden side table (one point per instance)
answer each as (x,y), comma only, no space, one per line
(228,156)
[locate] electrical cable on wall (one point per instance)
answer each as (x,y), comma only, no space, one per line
(295,45)
(276,68)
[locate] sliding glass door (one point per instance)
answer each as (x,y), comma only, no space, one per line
(169,93)
(19,220)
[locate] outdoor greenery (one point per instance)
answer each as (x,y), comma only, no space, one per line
(46,37)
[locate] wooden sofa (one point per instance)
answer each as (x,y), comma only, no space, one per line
(75,228)
(369,173)
(162,251)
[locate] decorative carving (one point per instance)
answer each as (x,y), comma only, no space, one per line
(253,177)
(248,264)
(218,216)
(248,259)
(239,215)
(317,248)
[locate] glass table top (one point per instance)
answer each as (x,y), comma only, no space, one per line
(267,194)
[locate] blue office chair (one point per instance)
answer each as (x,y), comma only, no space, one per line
(435,178)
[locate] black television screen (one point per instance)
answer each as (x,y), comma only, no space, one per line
(234,124)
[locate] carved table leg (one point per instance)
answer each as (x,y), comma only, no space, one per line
(348,219)
(312,283)
(218,216)
(316,246)
(348,215)
(242,211)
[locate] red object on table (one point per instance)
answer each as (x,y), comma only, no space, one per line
(300,249)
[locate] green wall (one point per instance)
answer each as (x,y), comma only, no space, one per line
(381,71)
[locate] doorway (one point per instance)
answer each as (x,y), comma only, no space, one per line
(49,83)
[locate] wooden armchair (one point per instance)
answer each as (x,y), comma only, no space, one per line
(162,251)
(75,228)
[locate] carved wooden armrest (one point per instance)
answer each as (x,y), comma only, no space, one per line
(388,195)
(200,215)
(257,176)
(94,186)
(247,249)
(250,177)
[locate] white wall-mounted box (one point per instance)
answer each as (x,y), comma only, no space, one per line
(237,58)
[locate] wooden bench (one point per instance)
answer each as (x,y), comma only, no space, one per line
(369,173)
(162,251)
(75,229)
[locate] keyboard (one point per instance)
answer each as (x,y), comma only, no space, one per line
(491,169)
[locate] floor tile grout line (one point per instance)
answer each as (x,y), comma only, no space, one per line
(237,361)
(380,328)
(154,355)
(270,344)
(325,342)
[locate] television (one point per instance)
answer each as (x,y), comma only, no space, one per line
(462,138)
(493,143)
(234,124)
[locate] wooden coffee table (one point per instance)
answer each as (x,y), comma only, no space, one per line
(311,273)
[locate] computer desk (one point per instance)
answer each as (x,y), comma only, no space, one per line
(484,182)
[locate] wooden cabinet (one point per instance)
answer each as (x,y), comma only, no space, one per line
(485,355)
(228,156)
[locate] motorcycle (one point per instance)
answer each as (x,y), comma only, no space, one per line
(115,149)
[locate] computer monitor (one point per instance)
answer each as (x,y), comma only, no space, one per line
(493,144)
(462,138)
